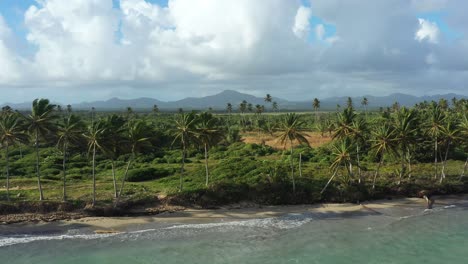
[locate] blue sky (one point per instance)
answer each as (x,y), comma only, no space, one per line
(368,47)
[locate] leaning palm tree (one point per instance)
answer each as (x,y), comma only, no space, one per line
(450,133)
(290,132)
(138,136)
(11,133)
(94,136)
(342,151)
(383,142)
(69,133)
(185,133)
(40,125)
(208,134)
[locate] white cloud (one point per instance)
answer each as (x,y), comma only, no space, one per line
(428,31)
(301,26)
(320,31)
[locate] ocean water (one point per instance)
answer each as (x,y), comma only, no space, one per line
(401,235)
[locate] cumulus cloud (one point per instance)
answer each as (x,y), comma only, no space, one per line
(196,47)
(302,25)
(428,31)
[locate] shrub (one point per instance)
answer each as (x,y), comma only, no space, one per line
(146,174)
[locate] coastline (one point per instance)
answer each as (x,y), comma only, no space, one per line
(394,208)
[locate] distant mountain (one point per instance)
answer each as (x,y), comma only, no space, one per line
(219,101)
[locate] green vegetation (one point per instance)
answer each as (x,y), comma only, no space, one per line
(199,158)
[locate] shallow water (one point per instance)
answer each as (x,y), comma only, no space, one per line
(403,235)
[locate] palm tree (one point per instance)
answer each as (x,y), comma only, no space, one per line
(364,103)
(434,129)
(11,133)
(383,142)
(274,106)
(316,105)
(450,134)
(405,133)
(40,125)
(342,152)
(464,132)
(114,142)
(268,98)
(69,109)
(229,108)
(185,133)
(349,102)
(155,109)
(208,134)
(94,136)
(291,131)
(69,133)
(138,136)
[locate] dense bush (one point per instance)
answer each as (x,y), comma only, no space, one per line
(149,173)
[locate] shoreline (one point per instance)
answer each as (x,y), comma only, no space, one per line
(235,212)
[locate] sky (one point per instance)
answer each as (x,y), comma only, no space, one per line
(86,50)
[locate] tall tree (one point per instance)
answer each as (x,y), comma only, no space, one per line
(114,142)
(291,131)
(11,133)
(274,106)
(185,133)
(342,152)
(383,142)
(364,103)
(94,136)
(208,134)
(316,105)
(138,136)
(405,126)
(40,124)
(435,123)
(450,133)
(69,133)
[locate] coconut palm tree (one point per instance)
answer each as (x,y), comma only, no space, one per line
(69,133)
(383,142)
(290,132)
(208,134)
(435,124)
(464,133)
(274,106)
(342,151)
(405,126)
(450,133)
(364,103)
(40,124)
(11,133)
(185,133)
(114,142)
(138,136)
(268,98)
(155,109)
(94,136)
(316,105)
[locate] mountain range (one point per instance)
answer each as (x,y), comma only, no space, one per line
(219,101)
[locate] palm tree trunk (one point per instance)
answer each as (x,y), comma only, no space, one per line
(464,169)
(292,168)
(123,179)
(7,165)
(182,167)
(329,181)
(38,172)
(409,163)
(442,176)
(377,171)
(94,175)
(206,165)
(114,181)
(64,198)
(435,158)
(300,165)
(402,168)
(358,163)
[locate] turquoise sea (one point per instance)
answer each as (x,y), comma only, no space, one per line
(392,235)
